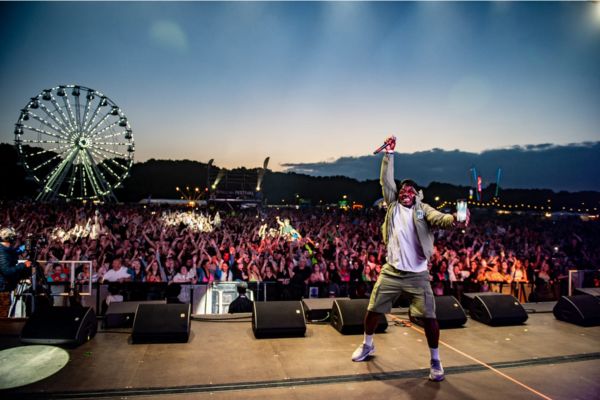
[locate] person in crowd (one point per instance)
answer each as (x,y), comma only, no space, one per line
(223,273)
(253,273)
(286,271)
(241,304)
(171,268)
(138,274)
(317,276)
(328,238)
(518,272)
(268,272)
(117,272)
(152,272)
(302,273)
(58,274)
(184,276)
(84,276)
(493,275)
(11,270)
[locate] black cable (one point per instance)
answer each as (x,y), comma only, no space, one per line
(225,319)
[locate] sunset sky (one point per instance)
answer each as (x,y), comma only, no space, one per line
(312,82)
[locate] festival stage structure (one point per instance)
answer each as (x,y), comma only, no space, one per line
(243,186)
(542,358)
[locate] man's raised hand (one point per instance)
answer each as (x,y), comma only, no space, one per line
(390,144)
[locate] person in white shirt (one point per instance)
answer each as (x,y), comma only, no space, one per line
(185,276)
(407,231)
(117,272)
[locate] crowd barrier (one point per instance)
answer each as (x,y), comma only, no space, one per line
(214,298)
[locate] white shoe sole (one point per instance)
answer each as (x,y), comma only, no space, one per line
(438,379)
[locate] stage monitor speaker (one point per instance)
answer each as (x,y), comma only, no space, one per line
(449,313)
(161,323)
(581,310)
(498,310)
(272,319)
(467,298)
(318,309)
(121,314)
(70,326)
(348,316)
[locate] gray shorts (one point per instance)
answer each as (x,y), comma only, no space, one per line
(392,283)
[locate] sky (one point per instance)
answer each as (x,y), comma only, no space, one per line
(572,167)
(314,82)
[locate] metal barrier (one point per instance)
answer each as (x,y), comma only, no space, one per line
(215,298)
(578,278)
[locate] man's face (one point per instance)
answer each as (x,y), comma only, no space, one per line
(407,195)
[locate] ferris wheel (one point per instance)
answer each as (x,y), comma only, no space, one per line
(75,142)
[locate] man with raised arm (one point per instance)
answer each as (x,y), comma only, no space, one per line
(407,232)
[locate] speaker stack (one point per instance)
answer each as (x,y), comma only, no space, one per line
(71,326)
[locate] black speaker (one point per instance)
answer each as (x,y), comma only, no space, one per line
(318,309)
(278,319)
(60,325)
(581,310)
(161,323)
(497,310)
(449,313)
(121,314)
(348,316)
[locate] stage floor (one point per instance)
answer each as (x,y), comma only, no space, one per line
(223,360)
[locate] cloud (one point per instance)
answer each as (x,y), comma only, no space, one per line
(571,167)
(169,34)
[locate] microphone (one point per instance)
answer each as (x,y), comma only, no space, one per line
(383,146)
(380,149)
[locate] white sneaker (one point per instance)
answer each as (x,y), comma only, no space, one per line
(362,352)
(436,372)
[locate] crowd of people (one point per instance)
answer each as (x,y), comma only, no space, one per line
(338,252)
